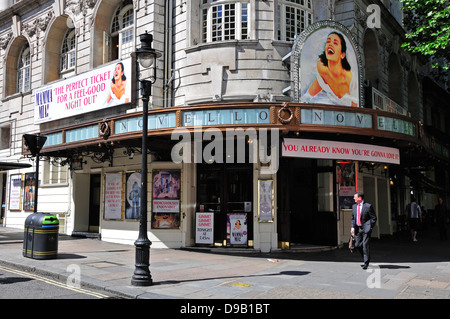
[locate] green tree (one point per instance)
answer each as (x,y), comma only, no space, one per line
(427,23)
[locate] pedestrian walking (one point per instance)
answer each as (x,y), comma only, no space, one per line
(441,218)
(414,214)
(363,221)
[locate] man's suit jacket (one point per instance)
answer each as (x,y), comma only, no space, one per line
(368,217)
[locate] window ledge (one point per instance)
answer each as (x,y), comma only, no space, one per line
(16,95)
(215,44)
(53,185)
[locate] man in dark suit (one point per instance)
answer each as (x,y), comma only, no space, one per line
(363,220)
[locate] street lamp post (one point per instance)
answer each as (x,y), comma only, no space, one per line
(35,142)
(145,57)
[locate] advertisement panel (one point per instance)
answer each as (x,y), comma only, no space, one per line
(166,196)
(132,195)
(346,180)
(237,228)
(306,148)
(91,91)
(327,66)
(204,228)
(15,191)
(113,196)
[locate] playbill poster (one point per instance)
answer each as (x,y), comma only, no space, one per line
(166,199)
(15,191)
(132,195)
(29,199)
(113,196)
(237,228)
(204,228)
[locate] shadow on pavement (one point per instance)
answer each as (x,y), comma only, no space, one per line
(393,249)
(287,273)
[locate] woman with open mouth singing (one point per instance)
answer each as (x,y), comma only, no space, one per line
(334,80)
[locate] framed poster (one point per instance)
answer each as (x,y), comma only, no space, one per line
(166,195)
(113,196)
(237,228)
(30,191)
(204,228)
(100,88)
(265,200)
(132,195)
(15,191)
(323,49)
(346,180)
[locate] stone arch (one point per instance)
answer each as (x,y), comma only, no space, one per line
(414,96)
(102,18)
(52,51)
(371,57)
(395,79)
(11,62)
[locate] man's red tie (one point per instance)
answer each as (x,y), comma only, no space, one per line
(359,215)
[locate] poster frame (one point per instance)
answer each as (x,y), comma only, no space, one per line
(211,242)
(297,51)
(265,187)
(122,202)
(157,216)
(19,201)
(347,185)
(33,191)
(127,194)
(229,229)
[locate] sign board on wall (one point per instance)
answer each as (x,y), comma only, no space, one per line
(15,191)
(91,91)
(204,228)
(113,196)
(237,228)
(166,199)
(306,148)
(322,50)
(346,180)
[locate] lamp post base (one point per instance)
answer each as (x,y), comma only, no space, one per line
(142,275)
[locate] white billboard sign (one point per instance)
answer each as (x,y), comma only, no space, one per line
(306,148)
(91,91)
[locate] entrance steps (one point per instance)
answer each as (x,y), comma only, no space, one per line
(308,248)
(293,248)
(86,235)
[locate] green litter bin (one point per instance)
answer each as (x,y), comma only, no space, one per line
(41,236)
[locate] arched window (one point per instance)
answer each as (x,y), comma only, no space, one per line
(371,56)
(122,31)
(68,53)
(395,79)
(293,16)
(24,70)
(225,20)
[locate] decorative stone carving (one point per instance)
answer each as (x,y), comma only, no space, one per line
(4,41)
(44,21)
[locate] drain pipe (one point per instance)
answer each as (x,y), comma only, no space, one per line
(168,47)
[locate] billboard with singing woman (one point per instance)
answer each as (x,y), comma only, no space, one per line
(327,66)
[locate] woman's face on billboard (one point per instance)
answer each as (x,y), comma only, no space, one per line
(333,48)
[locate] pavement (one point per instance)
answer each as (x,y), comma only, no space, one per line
(400,269)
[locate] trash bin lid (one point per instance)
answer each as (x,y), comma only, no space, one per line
(50,220)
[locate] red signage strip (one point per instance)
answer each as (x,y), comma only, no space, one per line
(305,148)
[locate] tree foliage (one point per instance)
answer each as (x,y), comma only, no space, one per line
(428,25)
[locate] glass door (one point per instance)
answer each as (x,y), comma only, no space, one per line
(227,191)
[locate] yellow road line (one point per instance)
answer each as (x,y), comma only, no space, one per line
(54,282)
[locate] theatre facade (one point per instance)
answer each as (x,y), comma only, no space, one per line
(258,134)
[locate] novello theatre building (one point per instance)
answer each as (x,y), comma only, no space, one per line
(251,175)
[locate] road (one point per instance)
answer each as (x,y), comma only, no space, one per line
(19,284)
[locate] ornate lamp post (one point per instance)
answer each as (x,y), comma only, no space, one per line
(35,142)
(146,58)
